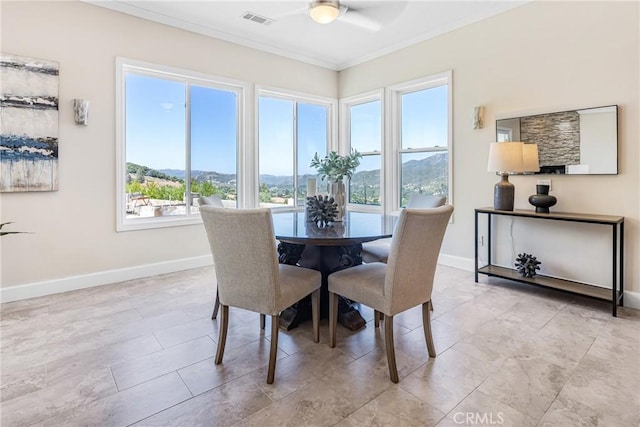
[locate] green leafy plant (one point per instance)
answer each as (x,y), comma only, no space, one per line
(2,233)
(336,167)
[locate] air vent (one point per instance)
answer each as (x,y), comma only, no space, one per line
(250,16)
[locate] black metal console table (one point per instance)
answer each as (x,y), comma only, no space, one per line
(615,294)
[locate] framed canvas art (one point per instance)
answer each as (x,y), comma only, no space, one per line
(28,124)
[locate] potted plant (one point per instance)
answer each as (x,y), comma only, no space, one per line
(336,169)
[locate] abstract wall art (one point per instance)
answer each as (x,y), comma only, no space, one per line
(28,124)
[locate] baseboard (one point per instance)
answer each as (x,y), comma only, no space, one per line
(632,299)
(38,289)
(466,264)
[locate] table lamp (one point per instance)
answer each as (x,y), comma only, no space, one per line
(505,158)
(530,158)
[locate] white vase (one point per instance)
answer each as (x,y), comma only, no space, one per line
(338,191)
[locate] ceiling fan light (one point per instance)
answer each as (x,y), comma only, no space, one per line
(324,12)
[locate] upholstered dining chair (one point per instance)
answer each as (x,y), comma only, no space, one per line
(378,250)
(404,282)
(249,276)
(211,201)
(217,202)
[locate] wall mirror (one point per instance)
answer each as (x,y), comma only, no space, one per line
(576,142)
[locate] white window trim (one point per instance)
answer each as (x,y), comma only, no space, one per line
(394,138)
(289,95)
(345,140)
(125,64)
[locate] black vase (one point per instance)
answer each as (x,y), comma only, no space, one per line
(542,201)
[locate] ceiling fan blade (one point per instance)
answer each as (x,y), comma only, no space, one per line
(293,12)
(358,19)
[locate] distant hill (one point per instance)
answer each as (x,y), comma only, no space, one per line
(201,175)
(414,173)
(134,169)
(429,169)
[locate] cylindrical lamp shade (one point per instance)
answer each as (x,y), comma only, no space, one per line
(505,157)
(530,158)
(324,12)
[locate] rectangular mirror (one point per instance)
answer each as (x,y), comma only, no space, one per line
(577,142)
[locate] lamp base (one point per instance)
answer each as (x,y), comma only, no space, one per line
(503,194)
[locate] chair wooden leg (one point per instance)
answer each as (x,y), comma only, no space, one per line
(315,314)
(391,352)
(222,334)
(263,321)
(376,318)
(426,325)
(274,349)
(216,305)
(333,318)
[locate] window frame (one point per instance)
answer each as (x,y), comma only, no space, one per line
(295,97)
(394,95)
(189,77)
(345,142)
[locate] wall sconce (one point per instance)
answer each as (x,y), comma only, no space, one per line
(81,111)
(478,117)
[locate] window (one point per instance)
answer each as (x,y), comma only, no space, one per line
(504,134)
(291,129)
(178,136)
(421,116)
(407,152)
(363,118)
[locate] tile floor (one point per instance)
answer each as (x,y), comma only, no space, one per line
(141,353)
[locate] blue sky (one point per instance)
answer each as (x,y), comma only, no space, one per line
(276,131)
(418,132)
(156,125)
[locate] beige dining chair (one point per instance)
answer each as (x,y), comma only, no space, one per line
(378,250)
(249,276)
(217,202)
(404,282)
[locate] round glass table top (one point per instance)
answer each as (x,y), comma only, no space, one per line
(357,227)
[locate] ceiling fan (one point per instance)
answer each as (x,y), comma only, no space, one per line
(365,15)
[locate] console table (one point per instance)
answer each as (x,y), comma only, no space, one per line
(615,294)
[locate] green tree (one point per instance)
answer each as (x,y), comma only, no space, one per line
(208,189)
(140,174)
(265,193)
(134,187)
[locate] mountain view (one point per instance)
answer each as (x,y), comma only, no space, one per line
(429,176)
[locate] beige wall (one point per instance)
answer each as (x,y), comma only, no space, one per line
(541,57)
(569,55)
(74,228)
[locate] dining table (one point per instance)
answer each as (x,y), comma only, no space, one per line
(327,248)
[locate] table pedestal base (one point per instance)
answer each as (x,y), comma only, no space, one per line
(325,259)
